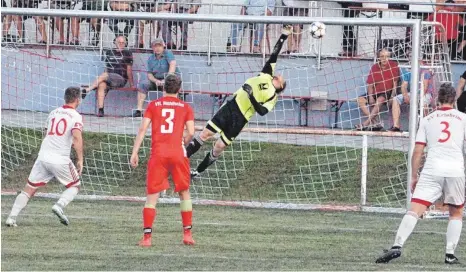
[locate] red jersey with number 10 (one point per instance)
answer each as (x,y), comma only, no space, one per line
(168,116)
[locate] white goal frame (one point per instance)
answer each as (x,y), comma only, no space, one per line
(414,24)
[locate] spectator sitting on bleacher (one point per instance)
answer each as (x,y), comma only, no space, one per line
(119,71)
(181,6)
(381,86)
(454,30)
(251,7)
(404,97)
(159,64)
(296,8)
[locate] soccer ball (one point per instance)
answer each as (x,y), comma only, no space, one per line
(317,30)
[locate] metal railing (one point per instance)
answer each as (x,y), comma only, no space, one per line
(316,9)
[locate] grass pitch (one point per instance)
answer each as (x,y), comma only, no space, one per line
(103,236)
(304,174)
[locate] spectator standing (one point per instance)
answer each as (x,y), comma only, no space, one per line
(119,71)
(381,87)
(159,64)
(126,6)
(461,94)
(59,21)
(296,8)
(404,97)
(350,45)
(168,6)
(251,7)
(95,5)
(454,29)
(181,6)
(19,21)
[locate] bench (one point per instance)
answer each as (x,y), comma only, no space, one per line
(304,102)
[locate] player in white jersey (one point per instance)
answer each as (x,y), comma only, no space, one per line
(64,129)
(443,132)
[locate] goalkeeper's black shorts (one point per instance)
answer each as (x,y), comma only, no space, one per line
(228,121)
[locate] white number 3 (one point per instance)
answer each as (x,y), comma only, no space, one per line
(168,126)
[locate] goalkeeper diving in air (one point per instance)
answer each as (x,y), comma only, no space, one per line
(258,94)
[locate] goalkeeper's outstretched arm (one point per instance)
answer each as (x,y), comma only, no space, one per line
(269,67)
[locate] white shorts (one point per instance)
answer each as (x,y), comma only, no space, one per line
(430,188)
(427,99)
(42,172)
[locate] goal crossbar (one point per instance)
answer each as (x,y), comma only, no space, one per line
(209,17)
(414,24)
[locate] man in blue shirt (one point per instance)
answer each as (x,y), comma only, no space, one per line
(159,64)
(404,97)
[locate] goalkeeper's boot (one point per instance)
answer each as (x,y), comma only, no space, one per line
(194,174)
(11,222)
(389,255)
(451,259)
(146,241)
(58,211)
(188,237)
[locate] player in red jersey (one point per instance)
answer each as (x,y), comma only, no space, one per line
(169,116)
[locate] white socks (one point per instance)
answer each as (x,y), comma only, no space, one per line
(453,234)
(20,202)
(406,228)
(67,196)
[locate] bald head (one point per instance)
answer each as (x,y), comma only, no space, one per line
(120,42)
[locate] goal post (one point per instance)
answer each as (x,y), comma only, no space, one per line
(311,181)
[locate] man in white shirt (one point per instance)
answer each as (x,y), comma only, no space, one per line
(443,132)
(64,129)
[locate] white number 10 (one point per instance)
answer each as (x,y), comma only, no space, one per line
(168,126)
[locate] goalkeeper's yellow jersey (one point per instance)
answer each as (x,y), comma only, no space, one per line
(262,90)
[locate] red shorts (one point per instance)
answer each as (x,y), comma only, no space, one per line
(158,169)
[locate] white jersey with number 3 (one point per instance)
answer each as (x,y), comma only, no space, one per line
(444,133)
(56,146)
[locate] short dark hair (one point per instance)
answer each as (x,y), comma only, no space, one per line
(446,94)
(72,94)
(172,84)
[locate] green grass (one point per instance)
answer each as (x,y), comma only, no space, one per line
(103,236)
(283,172)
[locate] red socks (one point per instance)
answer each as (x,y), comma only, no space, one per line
(148,215)
(187,219)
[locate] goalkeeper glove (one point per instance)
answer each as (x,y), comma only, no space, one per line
(287,30)
(248,89)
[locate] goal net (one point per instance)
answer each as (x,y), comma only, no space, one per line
(304,154)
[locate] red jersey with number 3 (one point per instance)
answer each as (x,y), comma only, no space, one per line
(444,133)
(168,116)
(56,146)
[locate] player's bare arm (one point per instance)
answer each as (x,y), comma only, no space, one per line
(189,132)
(138,141)
(415,164)
(78,147)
